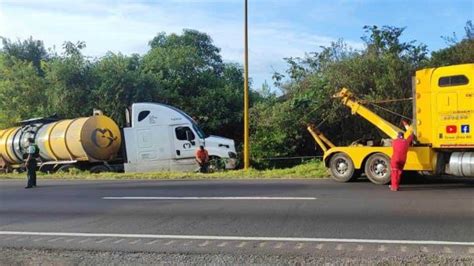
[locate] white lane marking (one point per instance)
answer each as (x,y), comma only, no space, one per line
(205,243)
(299,246)
(239,238)
(209,198)
(102,241)
(84,241)
(135,242)
(153,242)
(169,242)
(447,250)
(55,239)
(223,244)
(188,243)
(118,241)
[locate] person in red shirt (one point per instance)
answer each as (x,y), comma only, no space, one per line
(399,157)
(202,158)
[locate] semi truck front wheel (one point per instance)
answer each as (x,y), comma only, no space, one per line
(341,167)
(377,168)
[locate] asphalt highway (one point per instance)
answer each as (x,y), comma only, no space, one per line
(275,216)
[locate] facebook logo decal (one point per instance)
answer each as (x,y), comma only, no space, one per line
(465,129)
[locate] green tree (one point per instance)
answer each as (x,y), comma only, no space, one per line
(22,87)
(29,50)
(118,84)
(459,52)
(21,91)
(187,71)
(382,70)
(201,42)
(70,82)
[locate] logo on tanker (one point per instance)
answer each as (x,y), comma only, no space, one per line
(103,137)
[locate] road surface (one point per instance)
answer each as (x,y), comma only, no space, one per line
(241,217)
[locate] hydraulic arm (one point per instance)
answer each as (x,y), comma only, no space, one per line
(357,108)
(319,137)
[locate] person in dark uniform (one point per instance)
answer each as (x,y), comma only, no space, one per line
(32,151)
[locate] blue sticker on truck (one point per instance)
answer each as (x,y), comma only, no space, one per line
(465,129)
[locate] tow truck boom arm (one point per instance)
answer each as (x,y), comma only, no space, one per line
(357,108)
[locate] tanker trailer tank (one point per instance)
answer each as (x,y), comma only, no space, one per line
(7,152)
(86,139)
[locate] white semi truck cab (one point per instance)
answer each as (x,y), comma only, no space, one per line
(160,137)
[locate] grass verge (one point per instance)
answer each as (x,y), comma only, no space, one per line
(311,169)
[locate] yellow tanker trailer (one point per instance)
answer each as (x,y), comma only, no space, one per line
(86,142)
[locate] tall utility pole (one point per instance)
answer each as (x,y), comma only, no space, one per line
(246,91)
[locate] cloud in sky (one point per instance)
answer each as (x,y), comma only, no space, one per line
(127,27)
(278,28)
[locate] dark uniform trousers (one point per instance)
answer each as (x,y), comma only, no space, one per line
(204,167)
(31,172)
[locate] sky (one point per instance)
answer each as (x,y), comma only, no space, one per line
(277,28)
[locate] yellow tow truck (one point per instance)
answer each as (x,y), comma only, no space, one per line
(443,124)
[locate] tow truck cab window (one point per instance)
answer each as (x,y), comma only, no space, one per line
(453,81)
(182,132)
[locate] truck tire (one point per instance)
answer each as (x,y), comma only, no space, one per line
(65,168)
(377,168)
(342,168)
(96,169)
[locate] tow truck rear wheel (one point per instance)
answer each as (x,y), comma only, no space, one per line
(377,168)
(342,168)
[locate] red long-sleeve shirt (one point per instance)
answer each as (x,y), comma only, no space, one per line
(400,149)
(202,155)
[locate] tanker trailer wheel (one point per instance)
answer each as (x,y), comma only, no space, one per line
(66,168)
(100,169)
(342,168)
(377,168)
